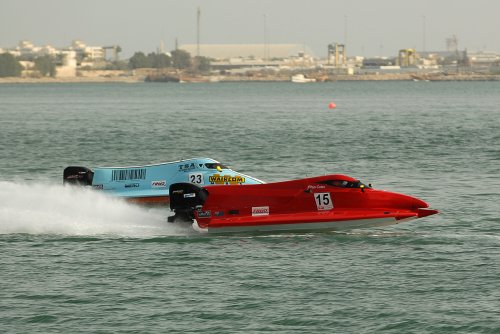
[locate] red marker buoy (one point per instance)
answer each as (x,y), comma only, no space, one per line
(332,105)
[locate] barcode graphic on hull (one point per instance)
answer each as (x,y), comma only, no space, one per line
(128,174)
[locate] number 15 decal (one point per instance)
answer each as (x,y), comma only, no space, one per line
(196,178)
(323,201)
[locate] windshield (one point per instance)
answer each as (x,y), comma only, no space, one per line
(215,165)
(344,183)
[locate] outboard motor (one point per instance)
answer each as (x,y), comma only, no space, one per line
(184,199)
(81,176)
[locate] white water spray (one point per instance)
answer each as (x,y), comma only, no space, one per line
(38,208)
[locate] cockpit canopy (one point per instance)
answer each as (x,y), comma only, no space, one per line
(215,165)
(342,182)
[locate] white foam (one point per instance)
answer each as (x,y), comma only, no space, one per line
(38,208)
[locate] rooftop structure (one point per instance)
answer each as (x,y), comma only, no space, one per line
(28,50)
(229,51)
(91,53)
(337,55)
(483,57)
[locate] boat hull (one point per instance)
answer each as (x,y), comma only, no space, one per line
(336,225)
(329,202)
(149,184)
(150,200)
(311,221)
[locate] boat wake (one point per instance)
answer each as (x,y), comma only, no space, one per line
(37,208)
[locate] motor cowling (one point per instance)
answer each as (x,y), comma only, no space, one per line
(184,199)
(76,175)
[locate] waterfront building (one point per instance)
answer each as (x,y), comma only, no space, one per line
(248,51)
(88,53)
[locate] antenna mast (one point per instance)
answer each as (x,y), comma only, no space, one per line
(198,32)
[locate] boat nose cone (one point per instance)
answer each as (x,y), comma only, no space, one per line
(397,202)
(407,202)
(418,206)
(417,203)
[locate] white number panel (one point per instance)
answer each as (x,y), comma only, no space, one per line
(323,201)
(196,178)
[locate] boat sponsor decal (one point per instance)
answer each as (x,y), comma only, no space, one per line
(188,195)
(132,185)
(204,214)
(159,184)
(316,186)
(323,201)
(186,167)
(98,187)
(196,178)
(226,179)
(219,213)
(260,211)
(128,174)
(179,191)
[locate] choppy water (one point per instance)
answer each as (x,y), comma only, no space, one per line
(73,261)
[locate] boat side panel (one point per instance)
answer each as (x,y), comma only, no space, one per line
(154,180)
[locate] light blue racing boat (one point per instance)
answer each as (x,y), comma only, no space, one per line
(150,184)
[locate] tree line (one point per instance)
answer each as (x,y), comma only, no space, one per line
(178,59)
(10,65)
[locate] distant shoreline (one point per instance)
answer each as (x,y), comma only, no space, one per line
(269,78)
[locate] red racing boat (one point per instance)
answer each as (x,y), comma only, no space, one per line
(330,202)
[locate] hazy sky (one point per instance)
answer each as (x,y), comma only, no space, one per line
(379,27)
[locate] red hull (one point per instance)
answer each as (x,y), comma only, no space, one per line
(325,202)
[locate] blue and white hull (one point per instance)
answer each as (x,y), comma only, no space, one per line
(149,184)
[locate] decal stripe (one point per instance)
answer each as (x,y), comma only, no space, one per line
(128,174)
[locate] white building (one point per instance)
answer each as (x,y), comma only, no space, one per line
(483,58)
(68,67)
(48,50)
(88,53)
(248,51)
(27,49)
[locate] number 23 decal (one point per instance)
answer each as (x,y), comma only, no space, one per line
(196,178)
(323,201)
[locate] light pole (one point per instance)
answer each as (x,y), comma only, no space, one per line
(423,33)
(266,39)
(345,29)
(198,16)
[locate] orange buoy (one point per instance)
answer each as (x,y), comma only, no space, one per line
(332,105)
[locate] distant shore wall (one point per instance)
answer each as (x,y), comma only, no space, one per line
(140,76)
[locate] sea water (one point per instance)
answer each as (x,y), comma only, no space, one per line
(75,261)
